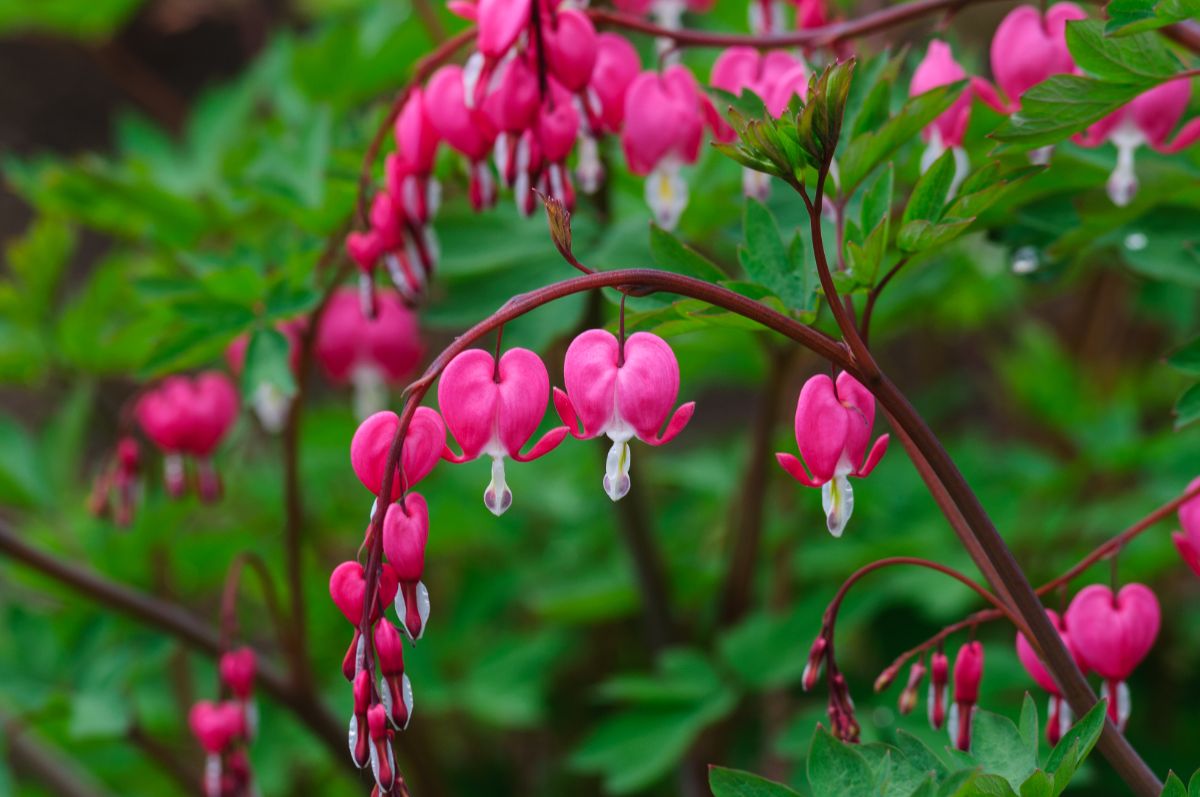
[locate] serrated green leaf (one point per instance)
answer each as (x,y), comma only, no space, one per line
(1134,16)
(836,769)
(736,783)
(1059,107)
(1140,58)
(1194,784)
(927,788)
(877,200)
(919,754)
(1028,725)
(767,261)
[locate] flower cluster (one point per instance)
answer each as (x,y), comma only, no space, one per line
(224,729)
(187,418)
(1028,47)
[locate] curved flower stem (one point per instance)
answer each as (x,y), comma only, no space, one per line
(873,296)
(228,622)
(1107,548)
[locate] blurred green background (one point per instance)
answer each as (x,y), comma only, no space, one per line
(172,171)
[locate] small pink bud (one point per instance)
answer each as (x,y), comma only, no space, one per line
(237,672)
(215,725)
(359,740)
(383,765)
(390,648)
(968,671)
(909,695)
(347,585)
(885,678)
(939,678)
(816,658)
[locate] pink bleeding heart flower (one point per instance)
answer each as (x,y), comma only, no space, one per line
(215,725)
(365,248)
(557,131)
(237,669)
(1187,541)
(623,392)
(1059,717)
(664,127)
(938,68)
(423,444)
(833,428)
(570,48)
(395,687)
(493,409)
(383,764)
(512,108)
(1113,633)
(939,679)
(185,416)
(500,23)
(359,737)
(409,169)
(968,672)
(371,354)
(1028,47)
(465,128)
(617,64)
(347,588)
(405,533)
(1147,119)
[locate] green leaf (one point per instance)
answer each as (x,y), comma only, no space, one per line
(1141,58)
(871,148)
(1039,784)
(1187,408)
(736,783)
(928,197)
(766,651)
(919,754)
(671,254)
(1061,106)
(1133,16)
(1028,724)
(983,188)
(767,261)
(1079,739)
(917,236)
(836,769)
(1001,748)
(1187,357)
(1194,784)
(23,482)
(1066,770)
(819,124)
(1174,786)
(268,362)
(877,201)
(986,785)
(879,76)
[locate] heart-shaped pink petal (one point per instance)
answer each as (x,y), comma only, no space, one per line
(405,532)
(1114,633)
(423,445)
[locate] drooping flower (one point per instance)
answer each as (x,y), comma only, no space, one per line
(617,64)
(621,391)
(833,428)
(1113,633)
(217,727)
(383,762)
(939,678)
(466,128)
(410,167)
(665,116)
(1188,540)
(369,353)
(405,533)
(909,695)
(938,68)
(395,687)
(493,409)
(667,13)
(968,672)
(775,77)
(423,445)
(1147,119)
(1030,46)
(1059,717)
(347,588)
(117,488)
(189,417)
(359,737)
(237,669)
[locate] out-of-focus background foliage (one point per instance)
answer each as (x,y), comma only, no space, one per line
(172,170)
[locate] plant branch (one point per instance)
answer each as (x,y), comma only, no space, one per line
(50,766)
(873,296)
(177,622)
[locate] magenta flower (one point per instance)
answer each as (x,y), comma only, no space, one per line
(237,668)
(621,392)
(383,763)
(1148,119)
(617,64)
(464,127)
(395,688)
(1113,633)
(833,427)
(1059,717)
(216,726)
(1028,47)
(1188,540)
(410,168)
(493,409)
(939,678)
(968,672)
(512,108)
(938,68)
(347,588)
(405,533)
(664,127)
(117,488)
(189,417)
(570,48)
(423,444)
(359,737)
(369,353)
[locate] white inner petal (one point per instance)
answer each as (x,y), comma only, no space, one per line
(837,499)
(667,193)
(616,469)
(370,389)
(496,496)
(422,606)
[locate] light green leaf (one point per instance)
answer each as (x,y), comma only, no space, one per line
(1001,748)
(1187,408)
(1187,357)
(671,254)
(268,359)
(1028,724)
(1079,739)
(1174,787)
(1140,58)
(917,236)
(836,769)
(928,197)
(1039,784)
(766,259)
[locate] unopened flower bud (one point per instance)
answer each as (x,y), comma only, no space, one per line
(968,671)
(395,687)
(885,679)
(908,696)
(816,657)
(939,677)
(383,765)
(360,751)
(237,672)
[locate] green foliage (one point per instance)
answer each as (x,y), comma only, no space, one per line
(1126,17)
